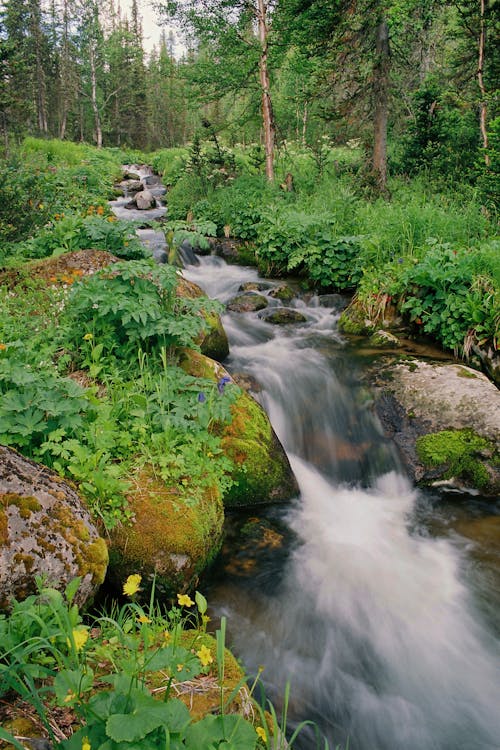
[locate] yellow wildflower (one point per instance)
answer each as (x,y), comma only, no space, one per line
(86,744)
(100,210)
(261,733)
(205,619)
(205,656)
(70,696)
(3,347)
(143,619)
(88,337)
(131,585)
(184,600)
(167,636)
(80,638)
(180,667)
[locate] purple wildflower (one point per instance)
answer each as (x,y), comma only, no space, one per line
(201,398)
(222,383)
(400,260)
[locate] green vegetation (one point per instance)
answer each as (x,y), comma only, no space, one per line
(456,451)
(119,673)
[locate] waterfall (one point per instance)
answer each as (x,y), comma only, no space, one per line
(367,616)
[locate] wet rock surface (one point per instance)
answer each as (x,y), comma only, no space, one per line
(247,302)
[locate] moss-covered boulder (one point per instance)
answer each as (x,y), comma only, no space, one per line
(384,340)
(283,316)
(262,472)
(45,530)
(247,302)
(213,341)
(175,534)
(445,419)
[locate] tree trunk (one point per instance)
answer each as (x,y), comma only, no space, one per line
(381,83)
(267,110)
(39,80)
(483,107)
(93,96)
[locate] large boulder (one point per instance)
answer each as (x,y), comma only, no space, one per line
(45,530)
(213,342)
(172,538)
(247,302)
(262,472)
(144,200)
(281,316)
(445,419)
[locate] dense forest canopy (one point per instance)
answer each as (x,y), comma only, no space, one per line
(414,80)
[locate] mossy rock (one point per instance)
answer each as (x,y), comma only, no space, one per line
(353,321)
(282,292)
(213,341)
(384,340)
(463,456)
(283,316)
(262,472)
(247,302)
(45,529)
(445,419)
(175,534)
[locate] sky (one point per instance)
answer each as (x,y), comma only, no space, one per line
(151,28)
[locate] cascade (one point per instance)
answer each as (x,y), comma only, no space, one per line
(369,616)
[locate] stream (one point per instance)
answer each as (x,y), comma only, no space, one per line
(366,601)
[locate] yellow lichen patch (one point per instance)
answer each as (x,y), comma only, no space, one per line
(4,528)
(174,537)
(27,560)
(26,504)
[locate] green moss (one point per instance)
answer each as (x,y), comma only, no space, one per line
(169,539)
(458,452)
(95,561)
(262,472)
(349,323)
(214,343)
(463,373)
(26,504)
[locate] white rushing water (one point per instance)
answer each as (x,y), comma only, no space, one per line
(370,621)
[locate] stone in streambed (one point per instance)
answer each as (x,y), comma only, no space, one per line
(144,200)
(283,316)
(248,302)
(445,420)
(282,292)
(45,530)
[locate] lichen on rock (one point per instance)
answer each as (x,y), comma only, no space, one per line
(45,530)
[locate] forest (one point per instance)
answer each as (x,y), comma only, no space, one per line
(340,152)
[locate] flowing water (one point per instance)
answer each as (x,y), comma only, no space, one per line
(376,619)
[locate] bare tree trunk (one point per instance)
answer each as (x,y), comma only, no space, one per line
(93,96)
(39,82)
(483,111)
(381,82)
(304,123)
(267,110)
